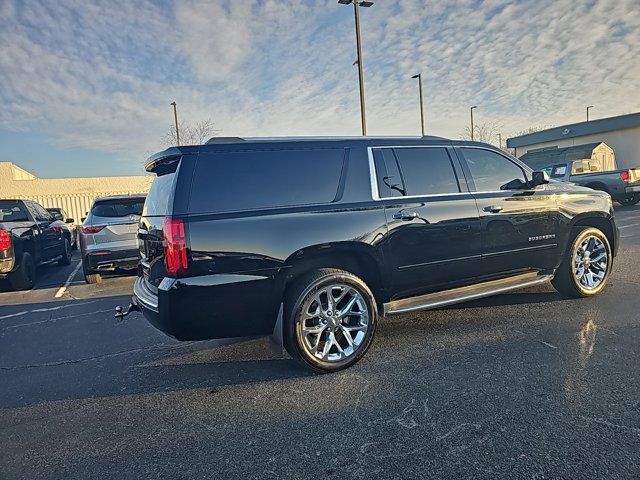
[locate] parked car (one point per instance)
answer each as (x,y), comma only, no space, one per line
(312,240)
(30,237)
(623,185)
(108,241)
(61,215)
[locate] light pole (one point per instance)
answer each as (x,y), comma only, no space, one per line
(175,116)
(356,5)
(500,141)
(475,106)
(419,77)
(590,106)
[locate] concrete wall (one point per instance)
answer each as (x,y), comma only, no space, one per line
(625,144)
(74,195)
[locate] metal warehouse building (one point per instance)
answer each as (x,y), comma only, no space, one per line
(621,133)
(74,195)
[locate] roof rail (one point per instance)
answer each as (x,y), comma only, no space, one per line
(217,140)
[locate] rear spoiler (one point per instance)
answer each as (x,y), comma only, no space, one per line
(164,162)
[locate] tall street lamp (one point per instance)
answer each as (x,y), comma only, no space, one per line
(356,5)
(475,106)
(590,106)
(419,77)
(175,117)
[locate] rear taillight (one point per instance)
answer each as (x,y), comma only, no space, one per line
(96,229)
(5,240)
(175,246)
(625,176)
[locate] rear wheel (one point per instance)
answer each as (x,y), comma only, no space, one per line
(89,276)
(24,278)
(330,320)
(586,266)
(66,254)
(629,200)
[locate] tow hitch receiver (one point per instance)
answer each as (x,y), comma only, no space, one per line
(131,308)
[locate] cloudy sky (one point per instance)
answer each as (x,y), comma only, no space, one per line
(85,86)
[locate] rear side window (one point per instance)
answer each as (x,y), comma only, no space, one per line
(414,171)
(117,208)
(12,212)
(229,181)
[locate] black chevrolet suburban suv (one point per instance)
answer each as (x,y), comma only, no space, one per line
(312,240)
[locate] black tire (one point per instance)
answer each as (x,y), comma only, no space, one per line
(66,254)
(565,280)
(629,200)
(24,278)
(301,295)
(90,277)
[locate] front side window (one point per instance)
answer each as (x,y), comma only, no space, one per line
(491,171)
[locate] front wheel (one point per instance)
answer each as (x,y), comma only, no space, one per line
(629,200)
(330,320)
(586,266)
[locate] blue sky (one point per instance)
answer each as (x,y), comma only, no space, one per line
(86,86)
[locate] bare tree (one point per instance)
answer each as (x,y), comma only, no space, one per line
(486,132)
(529,130)
(190,134)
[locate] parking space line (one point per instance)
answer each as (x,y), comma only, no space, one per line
(630,225)
(63,288)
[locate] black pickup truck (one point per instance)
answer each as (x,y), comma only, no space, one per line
(29,237)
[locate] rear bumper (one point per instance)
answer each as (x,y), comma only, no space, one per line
(105,259)
(210,306)
(632,189)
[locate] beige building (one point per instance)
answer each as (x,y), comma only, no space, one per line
(621,133)
(74,195)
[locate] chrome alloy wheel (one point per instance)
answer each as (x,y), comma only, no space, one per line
(334,322)
(590,262)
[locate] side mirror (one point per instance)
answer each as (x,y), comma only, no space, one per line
(69,220)
(539,178)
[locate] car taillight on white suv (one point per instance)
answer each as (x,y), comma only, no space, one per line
(175,246)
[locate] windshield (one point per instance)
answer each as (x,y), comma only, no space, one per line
(118,208)
(12,211)
(55,213)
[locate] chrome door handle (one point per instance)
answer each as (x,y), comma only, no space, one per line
(405,215)
(493,208)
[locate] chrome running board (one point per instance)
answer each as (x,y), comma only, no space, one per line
(464,294)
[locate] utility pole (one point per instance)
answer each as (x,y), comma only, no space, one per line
(356,12)
(500,141)
(175,116)
(419,77)
(475,106)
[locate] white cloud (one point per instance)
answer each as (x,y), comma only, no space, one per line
(102,75)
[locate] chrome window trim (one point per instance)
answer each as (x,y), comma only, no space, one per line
(374,177)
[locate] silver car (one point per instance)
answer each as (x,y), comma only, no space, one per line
(108,238)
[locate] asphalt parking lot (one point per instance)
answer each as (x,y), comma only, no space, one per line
(523,385)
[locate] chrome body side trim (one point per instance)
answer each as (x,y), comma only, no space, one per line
(464,294)
(145,297)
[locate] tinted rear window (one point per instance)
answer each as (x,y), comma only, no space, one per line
(265,179)
(118,208)
(159,197)
(12,212)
